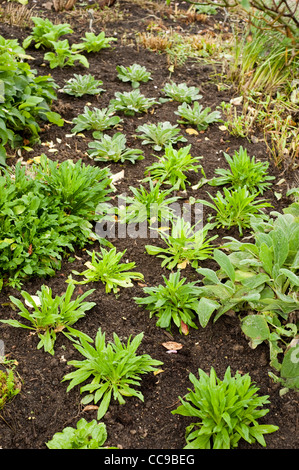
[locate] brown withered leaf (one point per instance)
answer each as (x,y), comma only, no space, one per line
(172,345)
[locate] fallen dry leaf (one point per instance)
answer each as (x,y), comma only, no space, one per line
(90,407)
(172,345)
(191,131)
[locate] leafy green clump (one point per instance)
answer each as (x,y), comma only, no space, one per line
(236,208)
(131,102)
(226,411)
(49,316)
(113,149)
(45,33)
(243,171)
(95,119)
(134,74)
(9,386)
(150,205)
(197,115)
(26,100)
(107,268)
(86,435)
(81,85)
(181,92)
(185,244)
(46,215)
(175,301)
(64,55)
(159,135)
(92,42)
(171,168)
(114,368)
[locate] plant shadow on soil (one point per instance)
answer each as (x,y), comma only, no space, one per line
(43,407)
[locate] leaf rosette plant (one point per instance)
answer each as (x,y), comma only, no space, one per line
(132,102)
(95,119)
(48,316)
(81,85)
(176,301)
(197,115)
(135,74)
(159,135)
(114,369)
(113,149)
(107,268)
(181,92)
(226,411)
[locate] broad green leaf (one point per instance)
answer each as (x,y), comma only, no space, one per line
(255,327)
(205,309)
(225,264)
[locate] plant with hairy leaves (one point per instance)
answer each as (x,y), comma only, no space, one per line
(181,92)
(131,102)
(94,43)
(176,301)
(105,266)
(86,435)
(63,55)
(135,74)
(49,316)
(171,168)
(184,245)
(151,205)
(95,119)
(236,207)
(113,149)
(45,33)
(81,85)
(226,411)
(114,368)
(159,135)
(197,116)
(243,171)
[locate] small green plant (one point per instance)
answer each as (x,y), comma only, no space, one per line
(63,55)
(94,43)
(159,135)
(185,244)
(197,116)
(95,119)
(81,85)
(171,168)
(131,102)
(181,92)
(206,9)
(49,316)
(113,149)
(45,33)
(107,268)
(227,410)
(147,205)
(236,207)
(175,301)
(9,386)
(86,435)
(114,368)
(243,171)
(135,74)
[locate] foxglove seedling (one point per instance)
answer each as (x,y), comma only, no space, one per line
(45,33)
(95,119)
(94,43)
(181,92)
(131,102)
(159,135)
(64,55)
(134,74)
(113,149)
(197,116)
(81,85)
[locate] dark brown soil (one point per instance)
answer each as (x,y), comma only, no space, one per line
(44,407)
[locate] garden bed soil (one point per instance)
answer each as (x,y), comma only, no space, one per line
(43,407)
